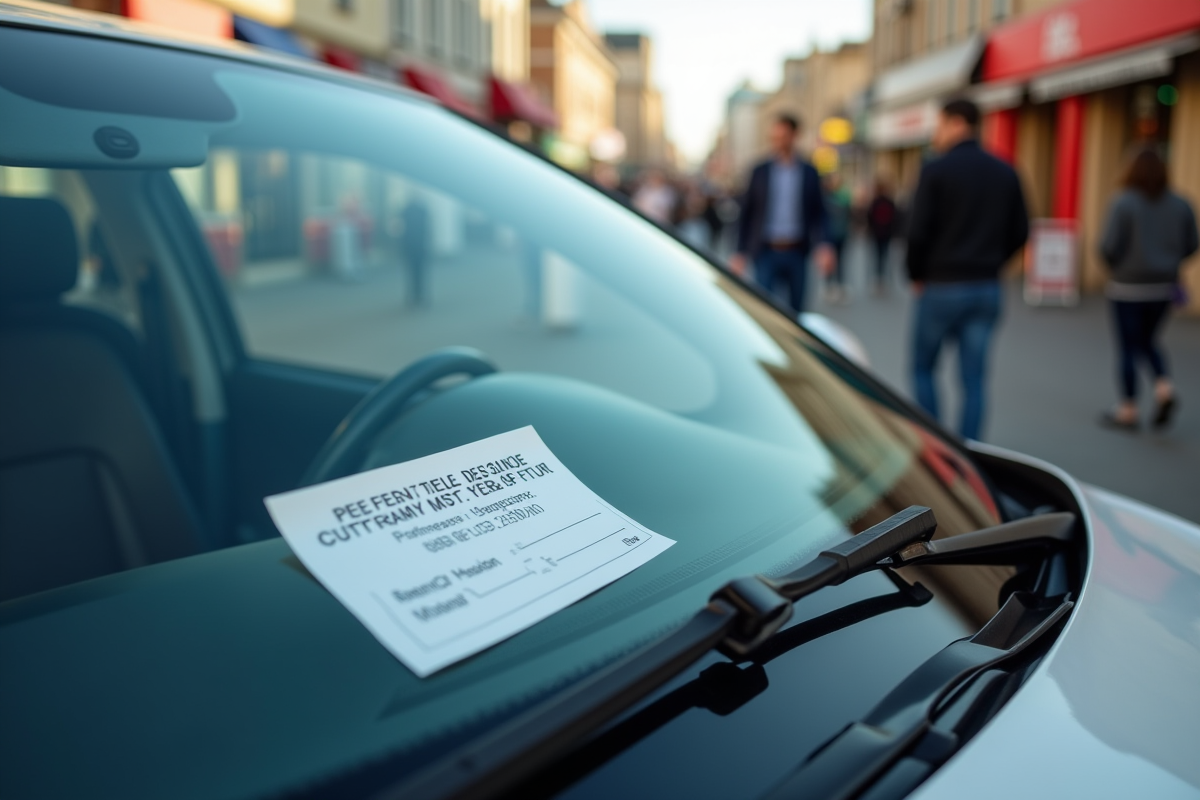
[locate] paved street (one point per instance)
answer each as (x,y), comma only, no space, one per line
(1052,376)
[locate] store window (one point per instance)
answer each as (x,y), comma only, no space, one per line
(1150,112)
(973,15)
(931,23)
(1001,9)
(951,19)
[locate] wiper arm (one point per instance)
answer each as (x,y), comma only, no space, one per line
(738,619)
(723,687)
(864,751)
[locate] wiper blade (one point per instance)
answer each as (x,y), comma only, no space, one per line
(865,750)
(740,616)
(738,619)
(723,687)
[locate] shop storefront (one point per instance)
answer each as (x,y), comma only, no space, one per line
(430,82)
(518,109)
(1097,77)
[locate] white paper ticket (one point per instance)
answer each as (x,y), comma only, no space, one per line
(446,555)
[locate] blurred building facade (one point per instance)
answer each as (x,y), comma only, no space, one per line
(818,88)
(923,52)
(639,109)
(573,71)
(1068,87)
(740,143)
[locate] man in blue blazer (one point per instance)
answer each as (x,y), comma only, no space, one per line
(783,218)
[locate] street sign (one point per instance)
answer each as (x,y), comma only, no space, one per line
(1052,263)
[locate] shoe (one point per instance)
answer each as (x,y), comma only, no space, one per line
(1163,414)
(1109,420)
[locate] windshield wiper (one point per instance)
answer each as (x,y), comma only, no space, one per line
(723,687)
(738,619)
(902,722)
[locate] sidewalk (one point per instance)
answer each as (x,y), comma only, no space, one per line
(1052,375)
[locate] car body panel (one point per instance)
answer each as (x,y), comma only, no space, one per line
(1114,708)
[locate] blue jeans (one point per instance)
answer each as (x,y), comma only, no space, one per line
(789,268)
(1138,325)
(966,313)
(838,276)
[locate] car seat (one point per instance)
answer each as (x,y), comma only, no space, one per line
(87,485)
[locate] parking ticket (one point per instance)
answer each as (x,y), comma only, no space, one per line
(444,556)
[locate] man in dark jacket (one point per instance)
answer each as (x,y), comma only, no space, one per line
(968,220)
(783,218)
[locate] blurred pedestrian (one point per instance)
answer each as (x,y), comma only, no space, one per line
(783,218)
(693,228)
(416,244)
(348,238)
(1149,232)
(968,219)
(837,206)
(656,198)
(713,218)
(606,177)
(882,216)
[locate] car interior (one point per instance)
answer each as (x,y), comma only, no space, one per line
(105,464)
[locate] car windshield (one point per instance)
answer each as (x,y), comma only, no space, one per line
(353,229)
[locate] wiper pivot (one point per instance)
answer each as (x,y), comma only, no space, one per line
(764,605)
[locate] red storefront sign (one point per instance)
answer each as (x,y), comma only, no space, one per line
(1080,29)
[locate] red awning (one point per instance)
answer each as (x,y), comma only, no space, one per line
(1077,30)
(341,58)
(430,83)
(511,101)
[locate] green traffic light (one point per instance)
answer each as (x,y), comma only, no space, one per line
(1168,95)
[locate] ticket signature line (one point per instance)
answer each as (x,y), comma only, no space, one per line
(532,600)
(501,586)
(560,530)
(586,546)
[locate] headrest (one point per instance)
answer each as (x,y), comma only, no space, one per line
(39,256)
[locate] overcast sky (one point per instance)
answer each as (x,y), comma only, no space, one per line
(704,49)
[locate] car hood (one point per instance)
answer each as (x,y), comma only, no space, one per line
(1114,709)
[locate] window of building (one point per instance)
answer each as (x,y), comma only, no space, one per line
(486,34)
(951,19)
(1001,9)
(434,29)
(403,31)
(973,15)
(931,23)
(462,31)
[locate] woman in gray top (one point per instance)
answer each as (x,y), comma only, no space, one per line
(1150,231)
